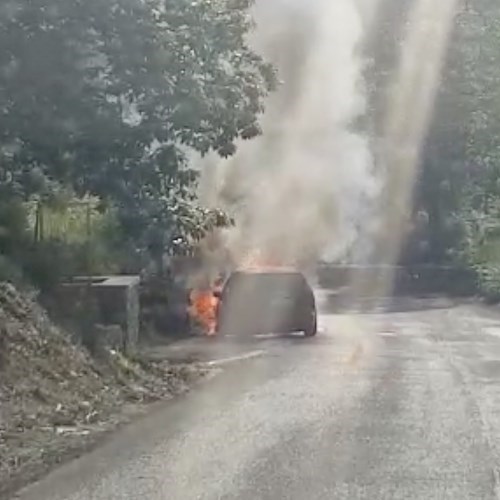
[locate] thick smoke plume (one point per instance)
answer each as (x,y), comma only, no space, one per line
(303,190)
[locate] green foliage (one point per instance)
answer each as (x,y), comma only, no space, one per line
(103,98)
(10,271)
(13,226)
(459,186)
(479,208)
(46,242)
(458,189)
(47,263)
(461,181)
(14,237)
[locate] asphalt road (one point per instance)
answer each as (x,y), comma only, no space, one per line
(403,404)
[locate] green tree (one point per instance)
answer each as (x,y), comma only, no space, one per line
(460,182)
(105,97)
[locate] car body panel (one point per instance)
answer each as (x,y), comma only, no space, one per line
(266,301)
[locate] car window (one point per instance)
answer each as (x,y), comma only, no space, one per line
(266,283)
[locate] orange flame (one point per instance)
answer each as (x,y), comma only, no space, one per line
(204,301)
(203,304)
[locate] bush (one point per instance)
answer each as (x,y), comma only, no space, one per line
(488,276)
(10,271)
(48,262)
(14,226)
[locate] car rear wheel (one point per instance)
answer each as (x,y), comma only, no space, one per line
(312,328)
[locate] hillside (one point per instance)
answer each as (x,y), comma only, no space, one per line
(55,399)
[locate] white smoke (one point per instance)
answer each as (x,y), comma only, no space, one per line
(303,190)
(409,110)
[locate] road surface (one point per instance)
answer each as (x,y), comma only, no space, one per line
(402,404)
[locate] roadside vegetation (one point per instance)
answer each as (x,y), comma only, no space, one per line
(460,183)
(457,196)
(56,400)
(104,100)
(101,104)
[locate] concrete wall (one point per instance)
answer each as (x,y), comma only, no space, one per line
(114,300)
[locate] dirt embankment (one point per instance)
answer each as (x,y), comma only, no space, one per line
(55,400)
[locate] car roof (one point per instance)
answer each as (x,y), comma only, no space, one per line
(267,270)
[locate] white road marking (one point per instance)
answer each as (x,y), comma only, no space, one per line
(233,359)
(387,334)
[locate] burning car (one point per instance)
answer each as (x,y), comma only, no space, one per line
(266,301)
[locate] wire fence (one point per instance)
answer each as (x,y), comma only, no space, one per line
(71,222)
